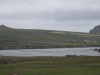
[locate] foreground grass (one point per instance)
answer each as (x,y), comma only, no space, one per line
(51,66)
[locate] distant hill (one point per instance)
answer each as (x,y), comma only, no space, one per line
(36,37)
(3,26)
(95,30)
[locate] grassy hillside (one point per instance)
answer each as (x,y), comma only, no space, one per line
(33,37)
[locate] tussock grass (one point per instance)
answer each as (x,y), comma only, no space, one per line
(51,66)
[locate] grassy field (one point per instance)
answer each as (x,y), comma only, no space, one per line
(51,66)
(33,37)
(48,65)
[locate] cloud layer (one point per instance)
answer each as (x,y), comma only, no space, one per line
(67,15)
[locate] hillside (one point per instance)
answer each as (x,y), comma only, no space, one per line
(33,37)
(95,30)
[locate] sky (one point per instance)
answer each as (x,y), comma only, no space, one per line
(63,15)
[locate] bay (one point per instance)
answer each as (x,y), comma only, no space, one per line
(50,52)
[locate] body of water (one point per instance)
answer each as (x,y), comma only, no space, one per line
(50,52)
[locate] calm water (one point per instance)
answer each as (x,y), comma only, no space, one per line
(50,52)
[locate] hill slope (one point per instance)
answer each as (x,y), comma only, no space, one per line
(33,37)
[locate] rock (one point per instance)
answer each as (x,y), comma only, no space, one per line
(95,30)
(3,62)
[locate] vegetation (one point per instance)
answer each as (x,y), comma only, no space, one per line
(51,66)
(78,65)
(34,37)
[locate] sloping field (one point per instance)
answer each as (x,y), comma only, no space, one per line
(33,37)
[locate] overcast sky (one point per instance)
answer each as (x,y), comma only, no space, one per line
(66,15)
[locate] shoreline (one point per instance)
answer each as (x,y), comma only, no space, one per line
(49,56)
(45,47)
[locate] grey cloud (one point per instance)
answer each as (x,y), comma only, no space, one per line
(23,10)
(16,1)
(76,15)
(57,15)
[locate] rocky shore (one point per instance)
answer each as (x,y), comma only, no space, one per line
(45,47)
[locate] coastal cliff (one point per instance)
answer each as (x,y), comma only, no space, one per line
(95,30)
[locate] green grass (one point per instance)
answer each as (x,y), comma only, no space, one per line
(35,37)
(51,66)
